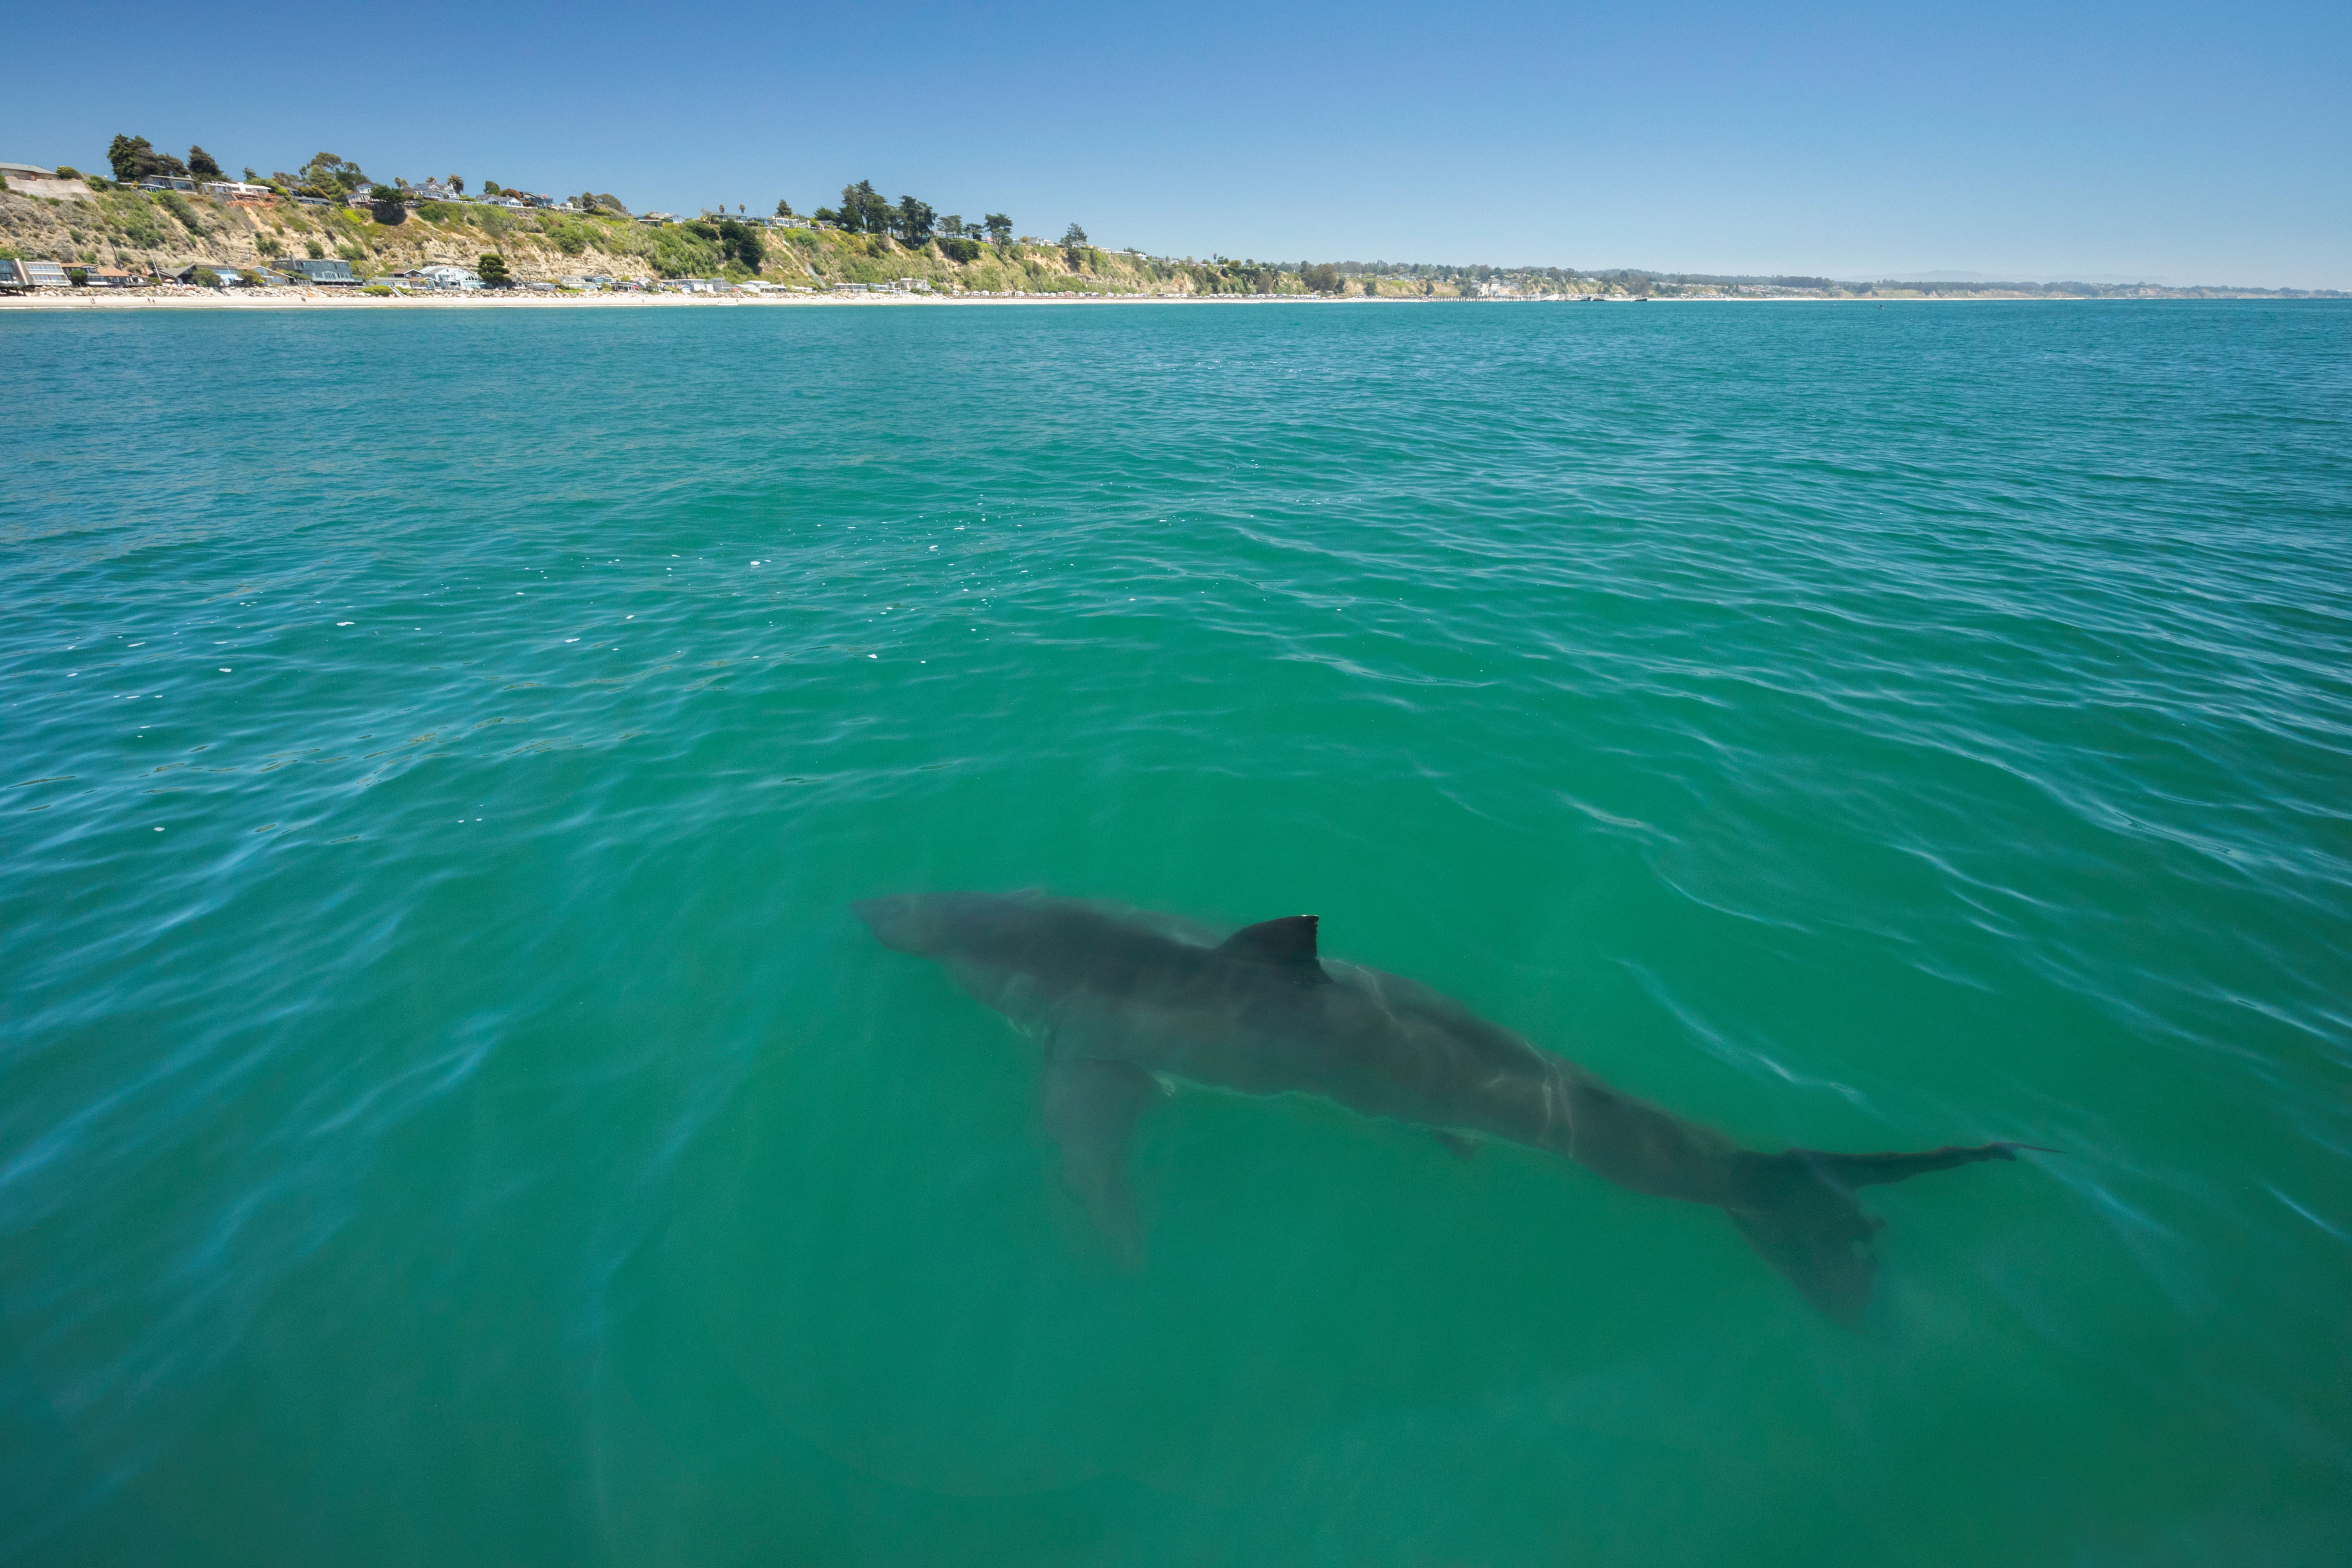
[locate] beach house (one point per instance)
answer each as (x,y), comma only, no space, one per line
(330,269)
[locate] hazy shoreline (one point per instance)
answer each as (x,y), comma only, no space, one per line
(299,299)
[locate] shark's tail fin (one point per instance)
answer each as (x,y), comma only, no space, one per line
(1797,1210)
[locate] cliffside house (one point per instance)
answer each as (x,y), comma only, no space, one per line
(307,269)
(166,183)
(237,193)
(25,172)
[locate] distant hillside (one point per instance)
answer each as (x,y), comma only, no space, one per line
(165,231)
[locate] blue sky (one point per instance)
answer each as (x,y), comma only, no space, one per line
(2185,143)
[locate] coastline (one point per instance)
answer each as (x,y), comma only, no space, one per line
(56,301)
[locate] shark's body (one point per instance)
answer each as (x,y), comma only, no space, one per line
(1118,999)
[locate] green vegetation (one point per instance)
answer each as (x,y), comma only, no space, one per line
(134,159)
(492,267)
(867,241)
(862,210)
(738,242)
(180,208)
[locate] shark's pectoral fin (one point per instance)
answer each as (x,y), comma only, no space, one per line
(1091,1106)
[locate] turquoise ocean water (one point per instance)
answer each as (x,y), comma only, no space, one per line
(447,1114)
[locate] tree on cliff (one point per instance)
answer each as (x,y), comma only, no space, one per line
(1322,276)
(328,175)
(999,226)
(783,207)
(492,267)
(911,221)
(1073,238)
(134,158)
(863,210)
(202,165)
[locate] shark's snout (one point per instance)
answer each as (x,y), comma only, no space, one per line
(896,922)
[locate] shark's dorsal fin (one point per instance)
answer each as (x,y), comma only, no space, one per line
(1286,944)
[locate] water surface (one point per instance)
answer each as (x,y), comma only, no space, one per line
(448,1113)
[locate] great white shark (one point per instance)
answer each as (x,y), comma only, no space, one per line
(1121,1000)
